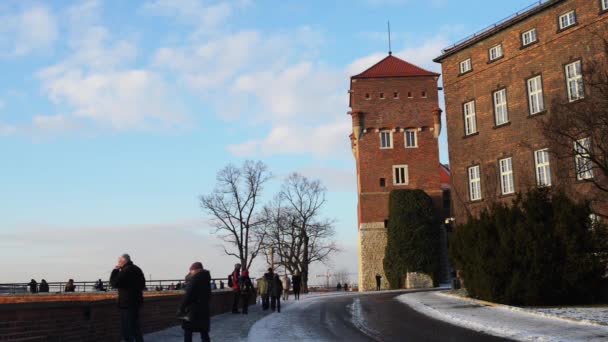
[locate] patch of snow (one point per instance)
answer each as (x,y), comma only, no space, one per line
(591,315)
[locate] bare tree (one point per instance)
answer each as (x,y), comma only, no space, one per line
(577,128)
(234,205)
(295,230)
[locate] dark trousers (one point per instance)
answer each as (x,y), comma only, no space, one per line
(265,302)
(296,293)
(130,324)
(275,303)
(235,302)
(245,301)
(188,336)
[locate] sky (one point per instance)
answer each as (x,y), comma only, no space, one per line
(115,116)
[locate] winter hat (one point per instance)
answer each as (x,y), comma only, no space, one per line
(196,266)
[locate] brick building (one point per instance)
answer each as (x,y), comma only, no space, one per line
(498,85)
(396,122)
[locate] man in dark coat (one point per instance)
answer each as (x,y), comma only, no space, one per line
(33,286)
(130,282)
(233,282)
(296,284)
(195,307)
(378,281)
(246,288)
(268,276)
(44,286)
(275,293)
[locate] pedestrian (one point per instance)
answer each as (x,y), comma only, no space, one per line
(276,291)
(195,307)
(378,281)
(233,283)
(70,287)
(286,286)
(99,286)
(268,277)
(172,287)
(339,287)
(130,282)
(296,283)
(44,286)
(33,286)
(213,285)
(246,289)
(179,285)
(263,292)
(345,287)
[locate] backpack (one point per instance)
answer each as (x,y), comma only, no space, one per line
(243,284)
(230,281)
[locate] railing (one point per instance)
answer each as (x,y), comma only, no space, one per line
(90,286)
(493,27)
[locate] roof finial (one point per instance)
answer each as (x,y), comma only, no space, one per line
(390,51)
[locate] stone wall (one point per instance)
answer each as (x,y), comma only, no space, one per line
(88,317)
(372,243)
(414,280)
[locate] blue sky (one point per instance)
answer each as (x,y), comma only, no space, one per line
(115,116)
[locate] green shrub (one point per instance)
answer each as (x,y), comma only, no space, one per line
(541,250)
(413,236)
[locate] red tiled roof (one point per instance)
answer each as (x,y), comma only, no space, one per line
(392,66)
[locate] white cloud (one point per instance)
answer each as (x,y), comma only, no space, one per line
(33,29)
(51,123)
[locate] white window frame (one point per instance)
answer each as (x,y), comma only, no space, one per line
(466,66)
(529,37)
(574,81)
(567,20)
(542,166)
(474,183)
(407,140)
(507,184)
(402,178)
(584,166)
(501,110)
(604,5)
(390,141)
(495,52)
(536,101)
(470,118)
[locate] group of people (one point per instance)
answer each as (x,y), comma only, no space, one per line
(43,287)
(340,287)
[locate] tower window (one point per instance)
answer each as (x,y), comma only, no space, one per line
(411,140)
(409,94)
(382,96)
(395,95)
(386,139)
(423,93)
(400,175)
(382,182)
(368,96)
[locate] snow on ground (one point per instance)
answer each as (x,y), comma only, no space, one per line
(501,321)
(593,315)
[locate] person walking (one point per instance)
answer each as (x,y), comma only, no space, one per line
(339,287)
(268,277)
(233,282)
(130,282)
(276,290)
(70,287)
(195,308)
(221,284)
(33,286)
(263,292)
(345,287)
(246,289)
(296,283)
(378,281)
(44,286)
(286,286)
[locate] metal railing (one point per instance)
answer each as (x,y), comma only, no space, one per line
(91,286)
(496,25)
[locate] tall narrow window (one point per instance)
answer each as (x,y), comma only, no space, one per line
(400,175)
(423,94)
(411,139)
(474,183)
(395,95)
(495,52)
(535,95)
(584,167)
(506,176)
(465,66)
(604,5)
(367,96)
(528,37)
(409,95)
(500,107)
(386,139)
(381,96)
(566,20)
(543,168)
(470,121)
(574,81)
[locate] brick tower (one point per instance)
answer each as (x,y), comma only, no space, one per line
(396,123)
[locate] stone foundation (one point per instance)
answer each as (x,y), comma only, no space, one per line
(372,243)
(414,280)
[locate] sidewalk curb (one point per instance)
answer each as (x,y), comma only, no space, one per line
(522,310)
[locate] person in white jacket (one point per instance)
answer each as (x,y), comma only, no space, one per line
(286,286)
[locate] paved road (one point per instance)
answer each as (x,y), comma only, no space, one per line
(365,317)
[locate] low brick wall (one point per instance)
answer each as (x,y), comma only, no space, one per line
(88,317)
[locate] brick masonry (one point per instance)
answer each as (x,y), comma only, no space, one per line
(418,111)
(521,136)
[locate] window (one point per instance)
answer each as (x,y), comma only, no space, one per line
(574,81)
(367,96)
(470,121)
(506,176)
(604,5)
(382,182)
(474,183)
(584,169)
(423,93)
(495,52)
(411,140)
(409,94)
(386,139)
(501,113)
(567,20)
(395,95)
(382,96)
(535,95)
(400,176)
(528,37)
(465,66)
(543,169)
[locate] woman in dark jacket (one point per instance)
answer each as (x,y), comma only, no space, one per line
(276,291)
(194,309)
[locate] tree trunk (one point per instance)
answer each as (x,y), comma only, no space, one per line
(305,263)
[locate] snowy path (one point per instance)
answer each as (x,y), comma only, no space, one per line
(501,321)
